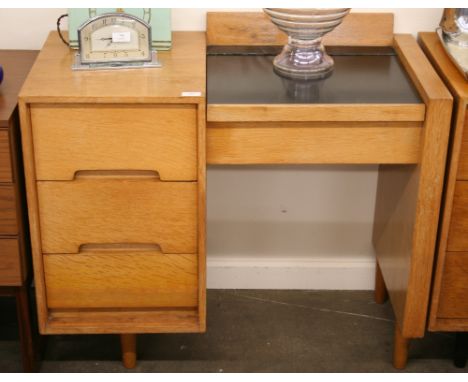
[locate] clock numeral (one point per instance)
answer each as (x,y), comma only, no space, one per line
(142,35)
(104,21)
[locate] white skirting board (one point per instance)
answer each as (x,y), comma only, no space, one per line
(295,273)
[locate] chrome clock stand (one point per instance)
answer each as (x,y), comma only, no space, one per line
(154,63)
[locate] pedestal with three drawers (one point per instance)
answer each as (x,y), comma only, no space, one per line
(115,175)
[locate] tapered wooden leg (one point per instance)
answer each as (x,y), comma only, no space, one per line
(380,293)
(400,350)
(28,349)
(461,349)
(128,344)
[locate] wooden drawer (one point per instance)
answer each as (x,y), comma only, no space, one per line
(453,300)
(5,157)
(8,217)
(121,280)
(160,138)
(10,263)
(458,232)
(463,162)
(95,210)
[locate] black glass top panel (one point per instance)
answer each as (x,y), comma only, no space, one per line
(250,79)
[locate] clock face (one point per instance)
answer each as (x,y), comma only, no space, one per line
(114,37)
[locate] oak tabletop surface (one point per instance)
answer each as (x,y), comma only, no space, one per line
(183,69)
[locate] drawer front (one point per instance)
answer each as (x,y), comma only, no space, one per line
(453,300)
(463,162)
(5,157)
(458,232)
(99,211)
(10,263)
(8,217)
(160,138)
(121,280)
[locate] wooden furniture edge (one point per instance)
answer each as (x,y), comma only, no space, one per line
(450,185)
(431,172)
(255,28)
(33,212)
(444,66)
(202,216)
(315,112)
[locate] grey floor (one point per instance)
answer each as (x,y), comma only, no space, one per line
(251,331)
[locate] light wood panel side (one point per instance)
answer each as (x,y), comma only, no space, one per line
(33,213)
(411,205)
(290,143)
(118,211)
(255,28)
(129,279)
(10,263)
(202,146)
(70,138)
(315,112)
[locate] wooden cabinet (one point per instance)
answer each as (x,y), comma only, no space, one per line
(115,172)
(15,273)
(449,300)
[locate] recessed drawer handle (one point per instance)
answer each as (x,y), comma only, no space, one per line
(119,247)
(109,174)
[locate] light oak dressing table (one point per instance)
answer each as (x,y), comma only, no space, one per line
(115,170)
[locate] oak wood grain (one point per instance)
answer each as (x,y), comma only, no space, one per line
(8,215)
(122,321)
(453,301)
(126,279)
(183,70)
(5,157)
(303,143)
(70,138)
(463,161)
(53,85)
(315,112)
(455,169)
(458,231)
(408,200)
(255,28)
(202,162)
(113,211)
(10,263)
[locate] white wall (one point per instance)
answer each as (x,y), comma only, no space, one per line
(275,227)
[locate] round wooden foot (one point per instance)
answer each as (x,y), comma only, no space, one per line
(128,345)
(380,293)
(400,350)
